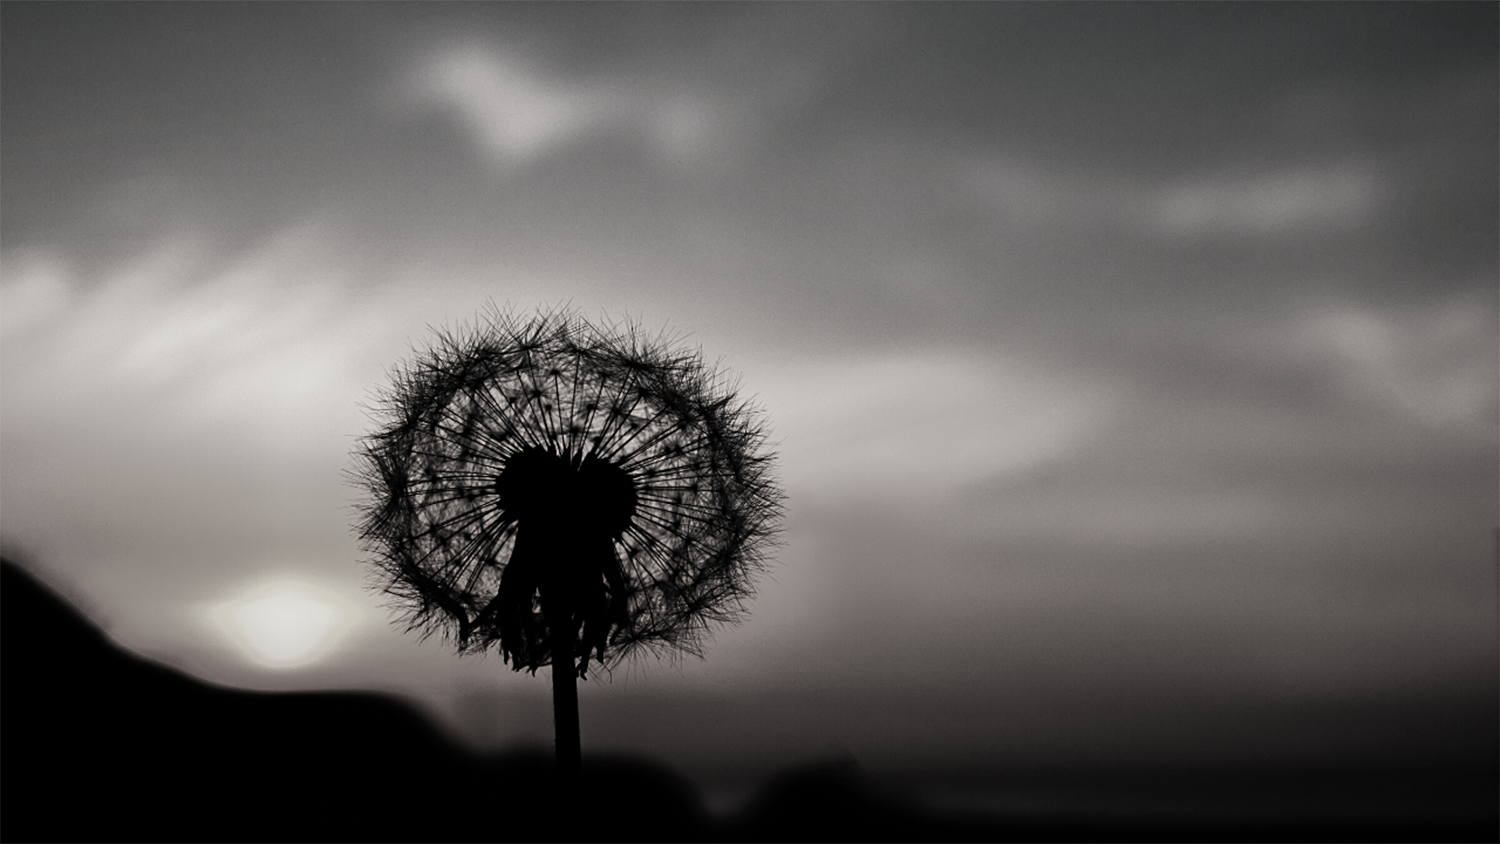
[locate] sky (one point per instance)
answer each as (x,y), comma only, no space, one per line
(1132,368)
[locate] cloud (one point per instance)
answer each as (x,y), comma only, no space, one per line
(512,111)
(1435,363)
(907,427)
(252,338)
(1424,368)
(516,112)
(35,289)
(1268,202)
(1363,424)
(1271,202)
(689,91)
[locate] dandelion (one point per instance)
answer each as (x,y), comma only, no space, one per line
(566,492)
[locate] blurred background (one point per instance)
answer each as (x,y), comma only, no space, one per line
(1132,367)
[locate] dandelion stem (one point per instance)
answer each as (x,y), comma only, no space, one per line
(569,746)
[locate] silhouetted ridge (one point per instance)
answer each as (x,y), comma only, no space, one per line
(100,745)
(831,800)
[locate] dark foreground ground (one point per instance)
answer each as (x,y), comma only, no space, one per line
(99,745)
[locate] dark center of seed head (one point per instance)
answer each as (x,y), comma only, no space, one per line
(567,492)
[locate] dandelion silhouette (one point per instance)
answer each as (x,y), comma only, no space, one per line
(565,491)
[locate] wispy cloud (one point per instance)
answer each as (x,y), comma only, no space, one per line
(248,338)
(35,288)
(1435,364)
(910,427)
(516,111)
(681,91)
(1267,202)
(1270,202)
(1325,419)
(512,111)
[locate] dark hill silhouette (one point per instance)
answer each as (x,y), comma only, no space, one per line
(100,745)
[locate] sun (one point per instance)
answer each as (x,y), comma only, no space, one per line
(284,623)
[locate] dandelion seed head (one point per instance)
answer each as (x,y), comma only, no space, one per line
(555,423)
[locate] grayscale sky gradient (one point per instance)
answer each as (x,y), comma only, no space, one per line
(1132,366)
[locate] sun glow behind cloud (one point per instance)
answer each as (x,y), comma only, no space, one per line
(284,623)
